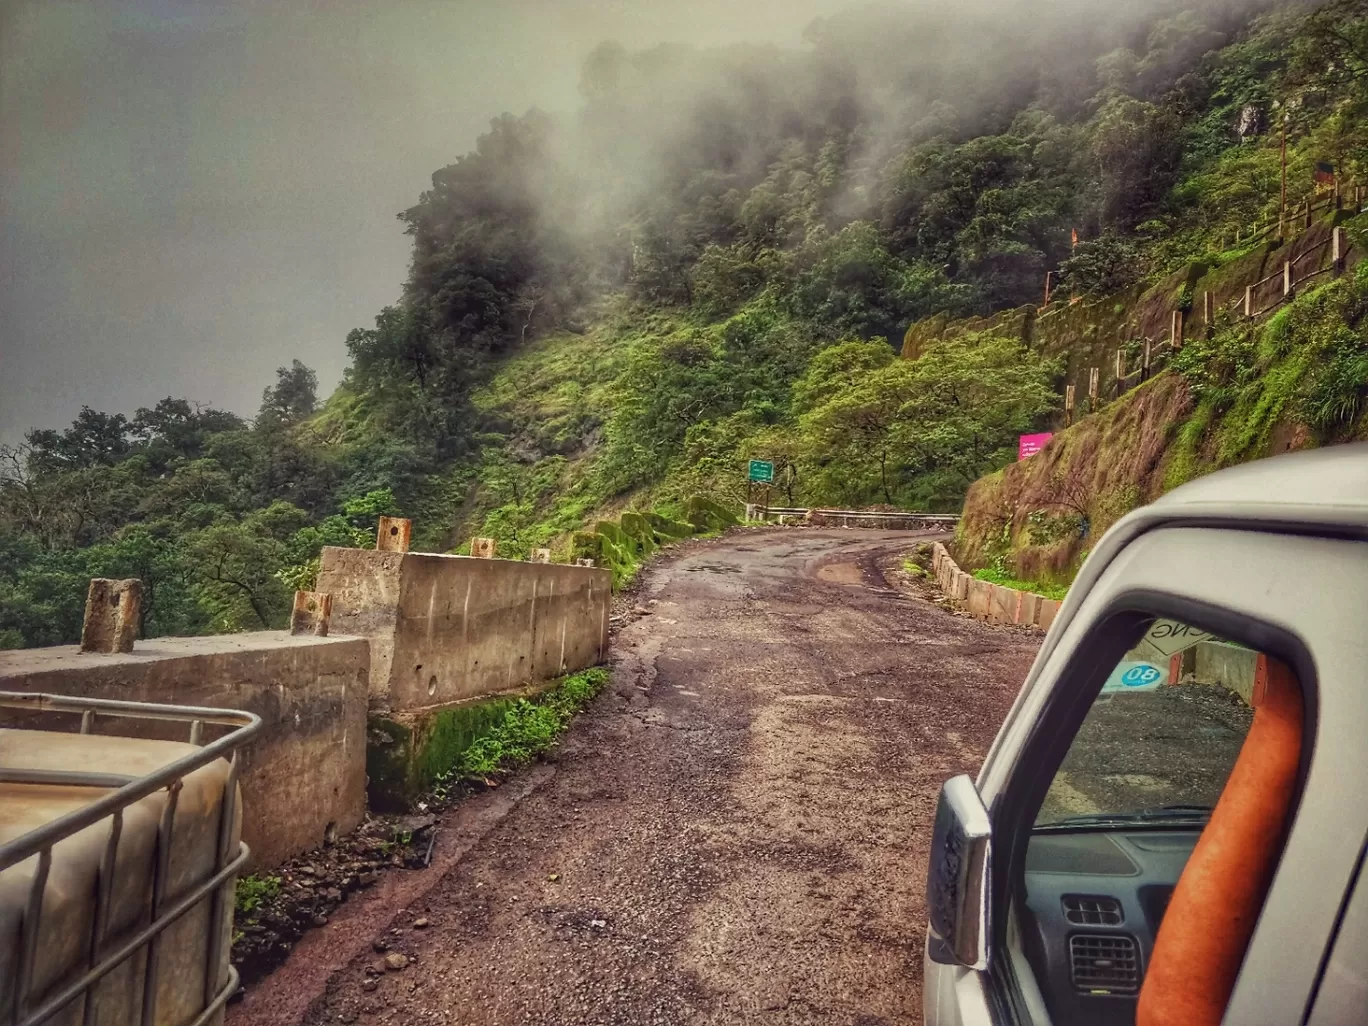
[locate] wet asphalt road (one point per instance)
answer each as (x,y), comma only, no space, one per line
(735,832)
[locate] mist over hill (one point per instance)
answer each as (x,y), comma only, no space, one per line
(715,256)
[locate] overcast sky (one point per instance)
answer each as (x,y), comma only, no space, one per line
(192,193)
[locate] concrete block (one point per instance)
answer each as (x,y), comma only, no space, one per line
(112,614)
(540,556)
(979,598)
(960,587)
(310,613)
(1004,604)
(1027,602)
(393,534)
(1231,667)
(303,777)
(483,548)
(1046,611)
(447,629)
(584,562)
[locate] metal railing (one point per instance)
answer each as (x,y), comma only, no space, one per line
(759,512)
(129,790)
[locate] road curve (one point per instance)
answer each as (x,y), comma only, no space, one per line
(735,832)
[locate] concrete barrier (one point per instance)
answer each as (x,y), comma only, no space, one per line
(1232,667)
(980,601)
(986,601)
(303,778)
(452,636)
(1046,612)
(1003,604)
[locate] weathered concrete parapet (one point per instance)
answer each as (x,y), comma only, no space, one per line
(303,777)
(1046,612)
(312,610)
(449,629)
(483,548)
(987,601)
(451,638)
(980,599)
(112,614)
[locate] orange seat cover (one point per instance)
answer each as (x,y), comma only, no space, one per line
(1211,915)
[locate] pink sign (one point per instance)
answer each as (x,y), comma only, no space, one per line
(1029,445)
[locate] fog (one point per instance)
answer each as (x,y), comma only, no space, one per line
(193,192)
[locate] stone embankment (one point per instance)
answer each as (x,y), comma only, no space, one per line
(990,602)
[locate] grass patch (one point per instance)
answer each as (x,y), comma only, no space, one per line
(912,569)
(1050,591)
(528,728)
(253,891)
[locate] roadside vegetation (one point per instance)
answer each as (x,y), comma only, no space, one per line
(529,727)
(717,258)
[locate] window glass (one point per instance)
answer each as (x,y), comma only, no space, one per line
(1124,813)
(1164,733)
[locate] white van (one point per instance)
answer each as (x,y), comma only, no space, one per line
(1170,827)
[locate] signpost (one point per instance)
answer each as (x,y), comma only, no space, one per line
(761,472)
(1029,445)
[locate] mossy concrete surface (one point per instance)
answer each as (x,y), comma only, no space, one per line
(405,757)
(621,546)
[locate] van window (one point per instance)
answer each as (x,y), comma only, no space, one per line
(1164,733)
(1125,810)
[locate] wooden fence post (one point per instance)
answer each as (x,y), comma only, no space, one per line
(1093,376)
(1049,281)
(1120,371)
(1287,278)
(1337,248)
(1176,329)
(1149,354)
(1068,404)
(1208,310)
(1249,300)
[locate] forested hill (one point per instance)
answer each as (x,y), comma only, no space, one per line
(715,257)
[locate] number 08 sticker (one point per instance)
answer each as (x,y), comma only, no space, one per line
(1134,676)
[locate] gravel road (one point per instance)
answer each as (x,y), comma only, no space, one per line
(735,832)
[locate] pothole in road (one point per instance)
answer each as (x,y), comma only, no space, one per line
(841,573)
(714,568)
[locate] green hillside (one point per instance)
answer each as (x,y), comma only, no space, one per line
(718,256)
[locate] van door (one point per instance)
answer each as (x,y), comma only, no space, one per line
(1102,780)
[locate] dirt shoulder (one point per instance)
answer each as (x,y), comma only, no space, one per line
(735,832)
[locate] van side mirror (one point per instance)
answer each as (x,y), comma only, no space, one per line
(957,882)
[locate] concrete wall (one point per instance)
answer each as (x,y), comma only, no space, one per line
(302,776)
(989,602)
(1227,665)
(451,629)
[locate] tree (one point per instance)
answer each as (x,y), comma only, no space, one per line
(293,397)
(176,429)
(1137,148)
(1102,266)
(918,431)
(94,439)
(236,560)
(1336,47)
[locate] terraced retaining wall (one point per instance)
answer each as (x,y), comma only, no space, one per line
(987,601)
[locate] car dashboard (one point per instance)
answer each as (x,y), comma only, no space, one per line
(1094,901)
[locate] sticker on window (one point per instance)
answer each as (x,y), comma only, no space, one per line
(1132,675)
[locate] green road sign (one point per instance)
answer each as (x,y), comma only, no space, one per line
(762,470)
